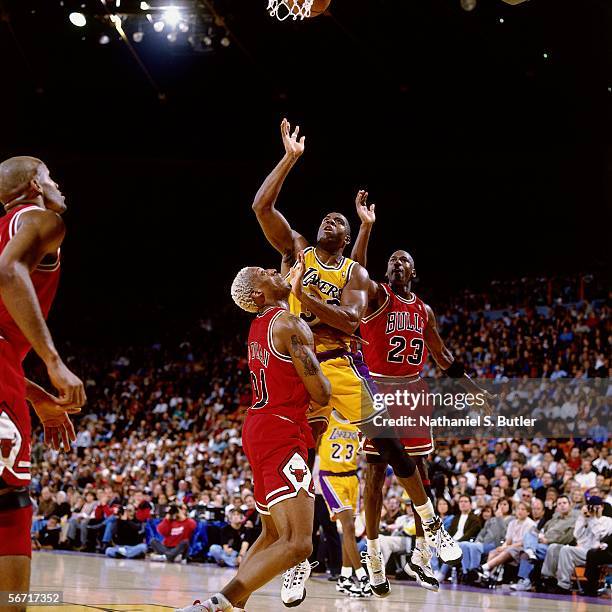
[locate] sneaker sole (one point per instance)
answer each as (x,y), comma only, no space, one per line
(385,589)
(422,583)
(297,602)
(456,562)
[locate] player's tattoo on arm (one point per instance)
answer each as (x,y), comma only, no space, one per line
(298,349)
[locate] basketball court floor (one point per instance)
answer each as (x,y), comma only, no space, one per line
(93,582)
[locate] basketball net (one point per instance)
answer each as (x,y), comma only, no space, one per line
(283,9)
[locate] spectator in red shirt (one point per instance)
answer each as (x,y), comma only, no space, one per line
(143,506)
(177,530)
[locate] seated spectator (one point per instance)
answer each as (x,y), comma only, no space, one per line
(513,546)
(77,525)
(128,539)
(234,542)
(595,559)
(176,529)
(561,560)
(143,507)
(480,499)
(558,530)
(586,478)
(492,534)
(464,527)
(443,511)
(49,536)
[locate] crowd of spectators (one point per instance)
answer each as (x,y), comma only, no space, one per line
(158,450)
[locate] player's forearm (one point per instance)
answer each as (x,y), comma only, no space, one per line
(34,392)
(335,316)
(360,248)
(19,297)
(267,195)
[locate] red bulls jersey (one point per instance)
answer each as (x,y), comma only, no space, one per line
(45,279)
(395,336)
(277,388)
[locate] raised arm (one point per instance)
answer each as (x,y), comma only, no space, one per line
(293,337)
(345,316)
(446,360)
(39,233)
(367,217)
(274,225)
(360,248)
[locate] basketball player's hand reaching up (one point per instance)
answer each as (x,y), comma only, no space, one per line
(296,275)
(293,147)
(366,214)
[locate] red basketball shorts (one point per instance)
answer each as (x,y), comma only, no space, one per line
(15,526)
(277,450)
(15,426)
(417,440)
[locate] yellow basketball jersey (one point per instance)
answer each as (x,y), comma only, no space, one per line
(338,447)
(325,283)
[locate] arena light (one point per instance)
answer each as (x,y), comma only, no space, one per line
(183,27)
(77,19)
(137,36)
(171,37)
(171,16)
(158,26)
(104,39)
(145,6)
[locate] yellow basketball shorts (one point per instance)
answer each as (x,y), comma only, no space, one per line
(341,492)
(352,388)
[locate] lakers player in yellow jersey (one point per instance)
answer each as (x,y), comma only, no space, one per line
(330,293)
(340,487)
(331,296)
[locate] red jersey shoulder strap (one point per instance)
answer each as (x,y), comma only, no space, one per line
(272,314)
(17,212)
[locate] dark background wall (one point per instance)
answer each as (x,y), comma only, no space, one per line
(485,158)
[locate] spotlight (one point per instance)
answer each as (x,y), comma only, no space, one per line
(137,36)
(501,20)
(545,55)
(207,40)
(77,19)
(172,16)
(144,6)
(104,39)
(171,37)
(158,26)
(225,41)
(183,27)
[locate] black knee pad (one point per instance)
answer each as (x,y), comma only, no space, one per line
(392,451)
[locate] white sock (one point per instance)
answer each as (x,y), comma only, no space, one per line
(426,512)
(361,573)
(485,567)
(346,572)
(373,546)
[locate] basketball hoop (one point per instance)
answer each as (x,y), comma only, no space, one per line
(283,9)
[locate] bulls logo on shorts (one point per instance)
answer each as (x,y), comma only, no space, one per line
(298,473)
(10,442)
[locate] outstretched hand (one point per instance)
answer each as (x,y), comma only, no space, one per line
(293,147)
(366,214)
